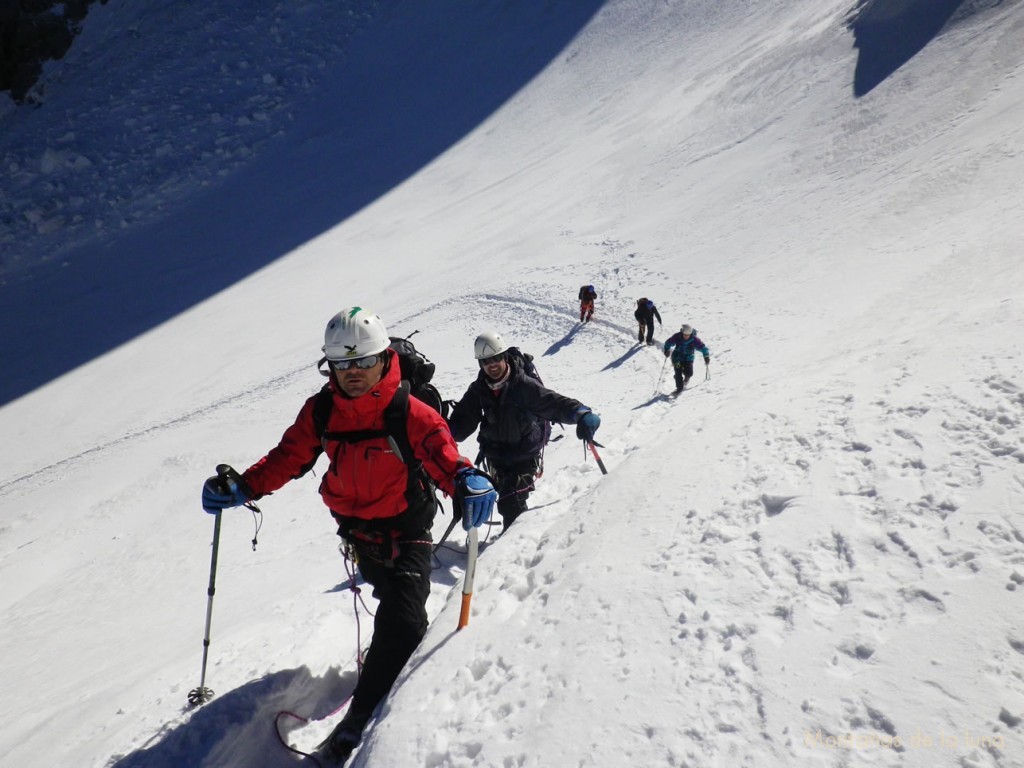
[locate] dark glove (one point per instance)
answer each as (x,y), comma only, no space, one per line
(474,497)
(707,361)
(221,492)
(667,353)
(587,426)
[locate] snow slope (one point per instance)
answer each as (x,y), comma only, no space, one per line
(813,557)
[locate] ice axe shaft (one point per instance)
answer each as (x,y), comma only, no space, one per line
(467,582)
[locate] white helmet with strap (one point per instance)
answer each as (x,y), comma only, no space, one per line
(489,344)
(354,332)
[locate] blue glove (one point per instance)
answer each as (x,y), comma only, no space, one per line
(222,492)
(587,426)
(475,495)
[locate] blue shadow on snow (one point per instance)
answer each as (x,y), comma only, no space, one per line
(889,33)
(416,82)
(564,341)
(240,723)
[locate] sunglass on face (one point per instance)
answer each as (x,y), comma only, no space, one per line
(492,360)
(363,363)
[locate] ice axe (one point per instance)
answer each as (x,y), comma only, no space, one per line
(467,582)
(597,457)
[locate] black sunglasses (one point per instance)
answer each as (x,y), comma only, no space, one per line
(492,360)
(363,363)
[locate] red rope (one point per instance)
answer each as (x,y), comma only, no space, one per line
(285,744)
(357,599)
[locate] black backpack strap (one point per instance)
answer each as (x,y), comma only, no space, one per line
(419,493)
(322,413)
(420,490)
(396,417)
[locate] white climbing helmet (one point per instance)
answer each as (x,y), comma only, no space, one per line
(686,329)
(354,332)
(489,344)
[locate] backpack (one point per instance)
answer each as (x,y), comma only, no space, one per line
(416,372)
(526,363)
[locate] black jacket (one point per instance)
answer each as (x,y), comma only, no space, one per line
(647,313)
(510,419)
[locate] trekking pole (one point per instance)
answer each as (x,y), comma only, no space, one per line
(229,479)
(707,373)
(467,583)
(202,694)
(597,456)
(657,387)
(447,533)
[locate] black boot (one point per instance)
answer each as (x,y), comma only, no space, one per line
(336,748)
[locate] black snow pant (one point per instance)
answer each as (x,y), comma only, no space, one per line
(514,481)
(683,372)
(647,325)
(401,586)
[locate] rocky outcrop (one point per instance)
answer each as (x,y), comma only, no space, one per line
(33,32)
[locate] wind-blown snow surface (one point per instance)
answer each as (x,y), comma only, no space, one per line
(813,557)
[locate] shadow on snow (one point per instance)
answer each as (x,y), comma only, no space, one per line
(889,33)
(237,728)
(620,360)
(563,342)
(415,83)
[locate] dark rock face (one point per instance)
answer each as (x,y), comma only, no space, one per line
(33,32)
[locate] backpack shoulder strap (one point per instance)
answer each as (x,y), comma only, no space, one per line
(322,411)
(396,431)
(419,491)
(394,422)
(396,417)
(421,500)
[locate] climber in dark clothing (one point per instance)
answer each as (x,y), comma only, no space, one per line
(512,409)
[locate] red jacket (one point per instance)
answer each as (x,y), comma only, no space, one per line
(365,479)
